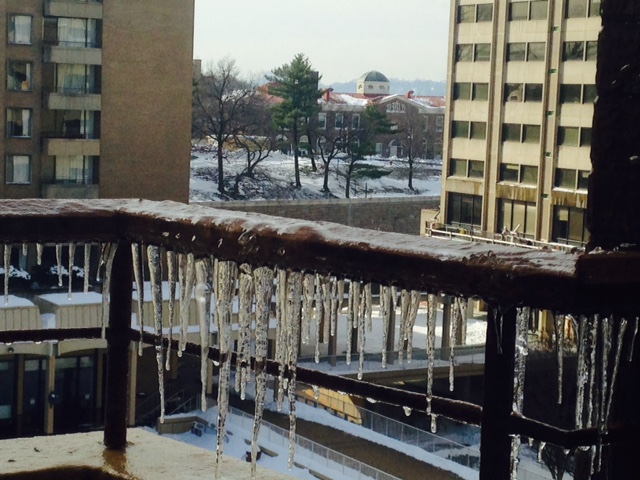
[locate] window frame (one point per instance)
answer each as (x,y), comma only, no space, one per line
(10,167)
(11,27)
(29,75)
(10,129)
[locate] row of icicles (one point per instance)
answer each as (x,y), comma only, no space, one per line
(302,297)
(599,352)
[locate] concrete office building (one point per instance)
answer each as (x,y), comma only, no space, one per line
(96,98)
(518,127)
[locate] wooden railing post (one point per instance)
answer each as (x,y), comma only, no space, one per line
(495,442)
(118,340)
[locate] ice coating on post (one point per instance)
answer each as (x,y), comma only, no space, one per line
(59,262)
(582,373)
(294,293)
(560,352)
(171,278)
(308,285)
(39,250)
(106,259)
(592,407)
(432,312)
(456,314)
(139,279)
(155,277)
(245,306)
(225,280)
(606,337)
(521,352)
(187,277)
(434,423)
(7,270)
(202,288)
(350,321)
(633,339)
(385,311)
(614,375)
(87,259)
(414,304)
(263,280)
(361,335)
(319,314)
(72,254)
(326,305)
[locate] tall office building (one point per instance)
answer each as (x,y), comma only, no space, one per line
(96,98)
(518,127)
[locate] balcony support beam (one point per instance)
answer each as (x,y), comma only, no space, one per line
(495,441)
(118,340)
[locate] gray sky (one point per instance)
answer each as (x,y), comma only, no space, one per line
(405,39)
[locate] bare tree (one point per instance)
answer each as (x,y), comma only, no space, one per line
(411,134)
(331,144)
(221,101)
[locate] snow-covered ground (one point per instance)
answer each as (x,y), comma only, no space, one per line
(274,177)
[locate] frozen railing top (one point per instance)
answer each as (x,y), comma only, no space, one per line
(502,275)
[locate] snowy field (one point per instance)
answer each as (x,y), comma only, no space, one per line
(274,177)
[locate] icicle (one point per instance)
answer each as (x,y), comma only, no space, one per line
(202,288)
(138,275)
(456,320)
(515,453)
(108,253)
(7,271)
(72,254)
(407,411)
(385,310)
(581,370)
(308,286)
(171,277)
(350,321)
(368,305)
(225,281)
(155,276)
(39,251)
(87,258)
(434,423)
(522,350)
(414,305)
(497,323)
(540,449)
(281,334)
(263,279)
(592,407)
(614,375)
(326,305)
(245,307)
(59,262)
(360,319)
(25,249)
(294,294)
(187,277)
(340,287)
(432,312)
(319,301)
(316,392)
(633,339)
(404,315)
(560,353)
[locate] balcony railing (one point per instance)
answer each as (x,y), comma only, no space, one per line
(254,249)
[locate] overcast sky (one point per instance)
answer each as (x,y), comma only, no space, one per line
(404,39)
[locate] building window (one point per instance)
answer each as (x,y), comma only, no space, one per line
(570,179)
(339,120)
(574,136)
(478,130)
(440,123)
(464,52)
(589,94)
(569,226)
(482,52)
(573,93)
(20,29)
(76,170)
(396,107)
(461,91)
(582,8)
(533,92)
(533,10)
(460,129)
(466,168)
(513,132)
(322,120)
(74,79)
(535,51)
(577,51)
(480,91)
(516,52)
(464,210)
(355,121)
(517,217)
(509,173)
(19,122)
(18,169)
(539,10)
(19,76)
(583,179)
(475,13)
(518,92)
(78,32)
(531,133)
(519,11)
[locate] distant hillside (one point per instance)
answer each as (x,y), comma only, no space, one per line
(419,87)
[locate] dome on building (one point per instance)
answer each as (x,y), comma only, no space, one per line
(373,76)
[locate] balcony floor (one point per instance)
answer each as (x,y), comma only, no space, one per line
(148,456)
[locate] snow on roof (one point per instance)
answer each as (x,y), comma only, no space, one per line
(15,302)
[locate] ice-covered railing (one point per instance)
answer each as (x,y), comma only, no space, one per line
(225,256)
